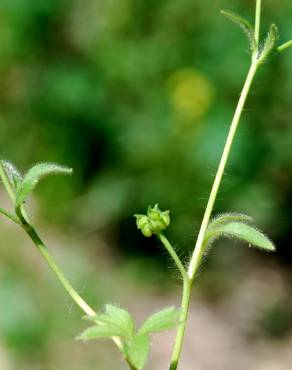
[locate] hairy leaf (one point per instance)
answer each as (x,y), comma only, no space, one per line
(34,175)
(244,232)
(14,175)
(244,25)
(162,320)
(269,43)
(228,217)
(138,350)
(121,317)
(101,331)
(118,317)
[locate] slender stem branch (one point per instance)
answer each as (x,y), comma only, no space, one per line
(284,46)
(10,216)
(173,254)
(196,258)
(55,268)
(258,21)
(199,248)
(31,232)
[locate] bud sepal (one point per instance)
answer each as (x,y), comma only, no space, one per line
(154,222)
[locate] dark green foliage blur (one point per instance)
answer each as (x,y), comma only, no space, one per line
(137,97)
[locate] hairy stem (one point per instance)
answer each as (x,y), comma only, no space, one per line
(258,22)
(173,254)
(185,304)
(31,232)
(199,248)
(185,299)
(21,219)
(57,271)
(195,260)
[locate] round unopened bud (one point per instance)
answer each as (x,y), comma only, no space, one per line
(154,222)
(160,220)
(144,224)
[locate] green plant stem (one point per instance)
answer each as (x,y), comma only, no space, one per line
(285,46)
(10,216)
(55,268)
(185,304)
(185,299)
(199,248)
(31,232)
(258,22)
(196,258)
(173,254)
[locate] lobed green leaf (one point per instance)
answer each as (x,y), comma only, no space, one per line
(244,25)
(116,317)
(166,319)
(138,351)
(117,322)
(34,175)
(101,331)
(121,317)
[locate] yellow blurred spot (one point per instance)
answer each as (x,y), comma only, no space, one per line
(191,95)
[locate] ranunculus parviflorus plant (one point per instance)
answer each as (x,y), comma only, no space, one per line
(114,322)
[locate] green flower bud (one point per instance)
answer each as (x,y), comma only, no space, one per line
(154,222)
(159,220)
(144,224)
(154,213)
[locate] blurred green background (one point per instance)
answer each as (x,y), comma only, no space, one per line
(137,97)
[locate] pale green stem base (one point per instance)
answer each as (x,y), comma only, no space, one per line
(187,286)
